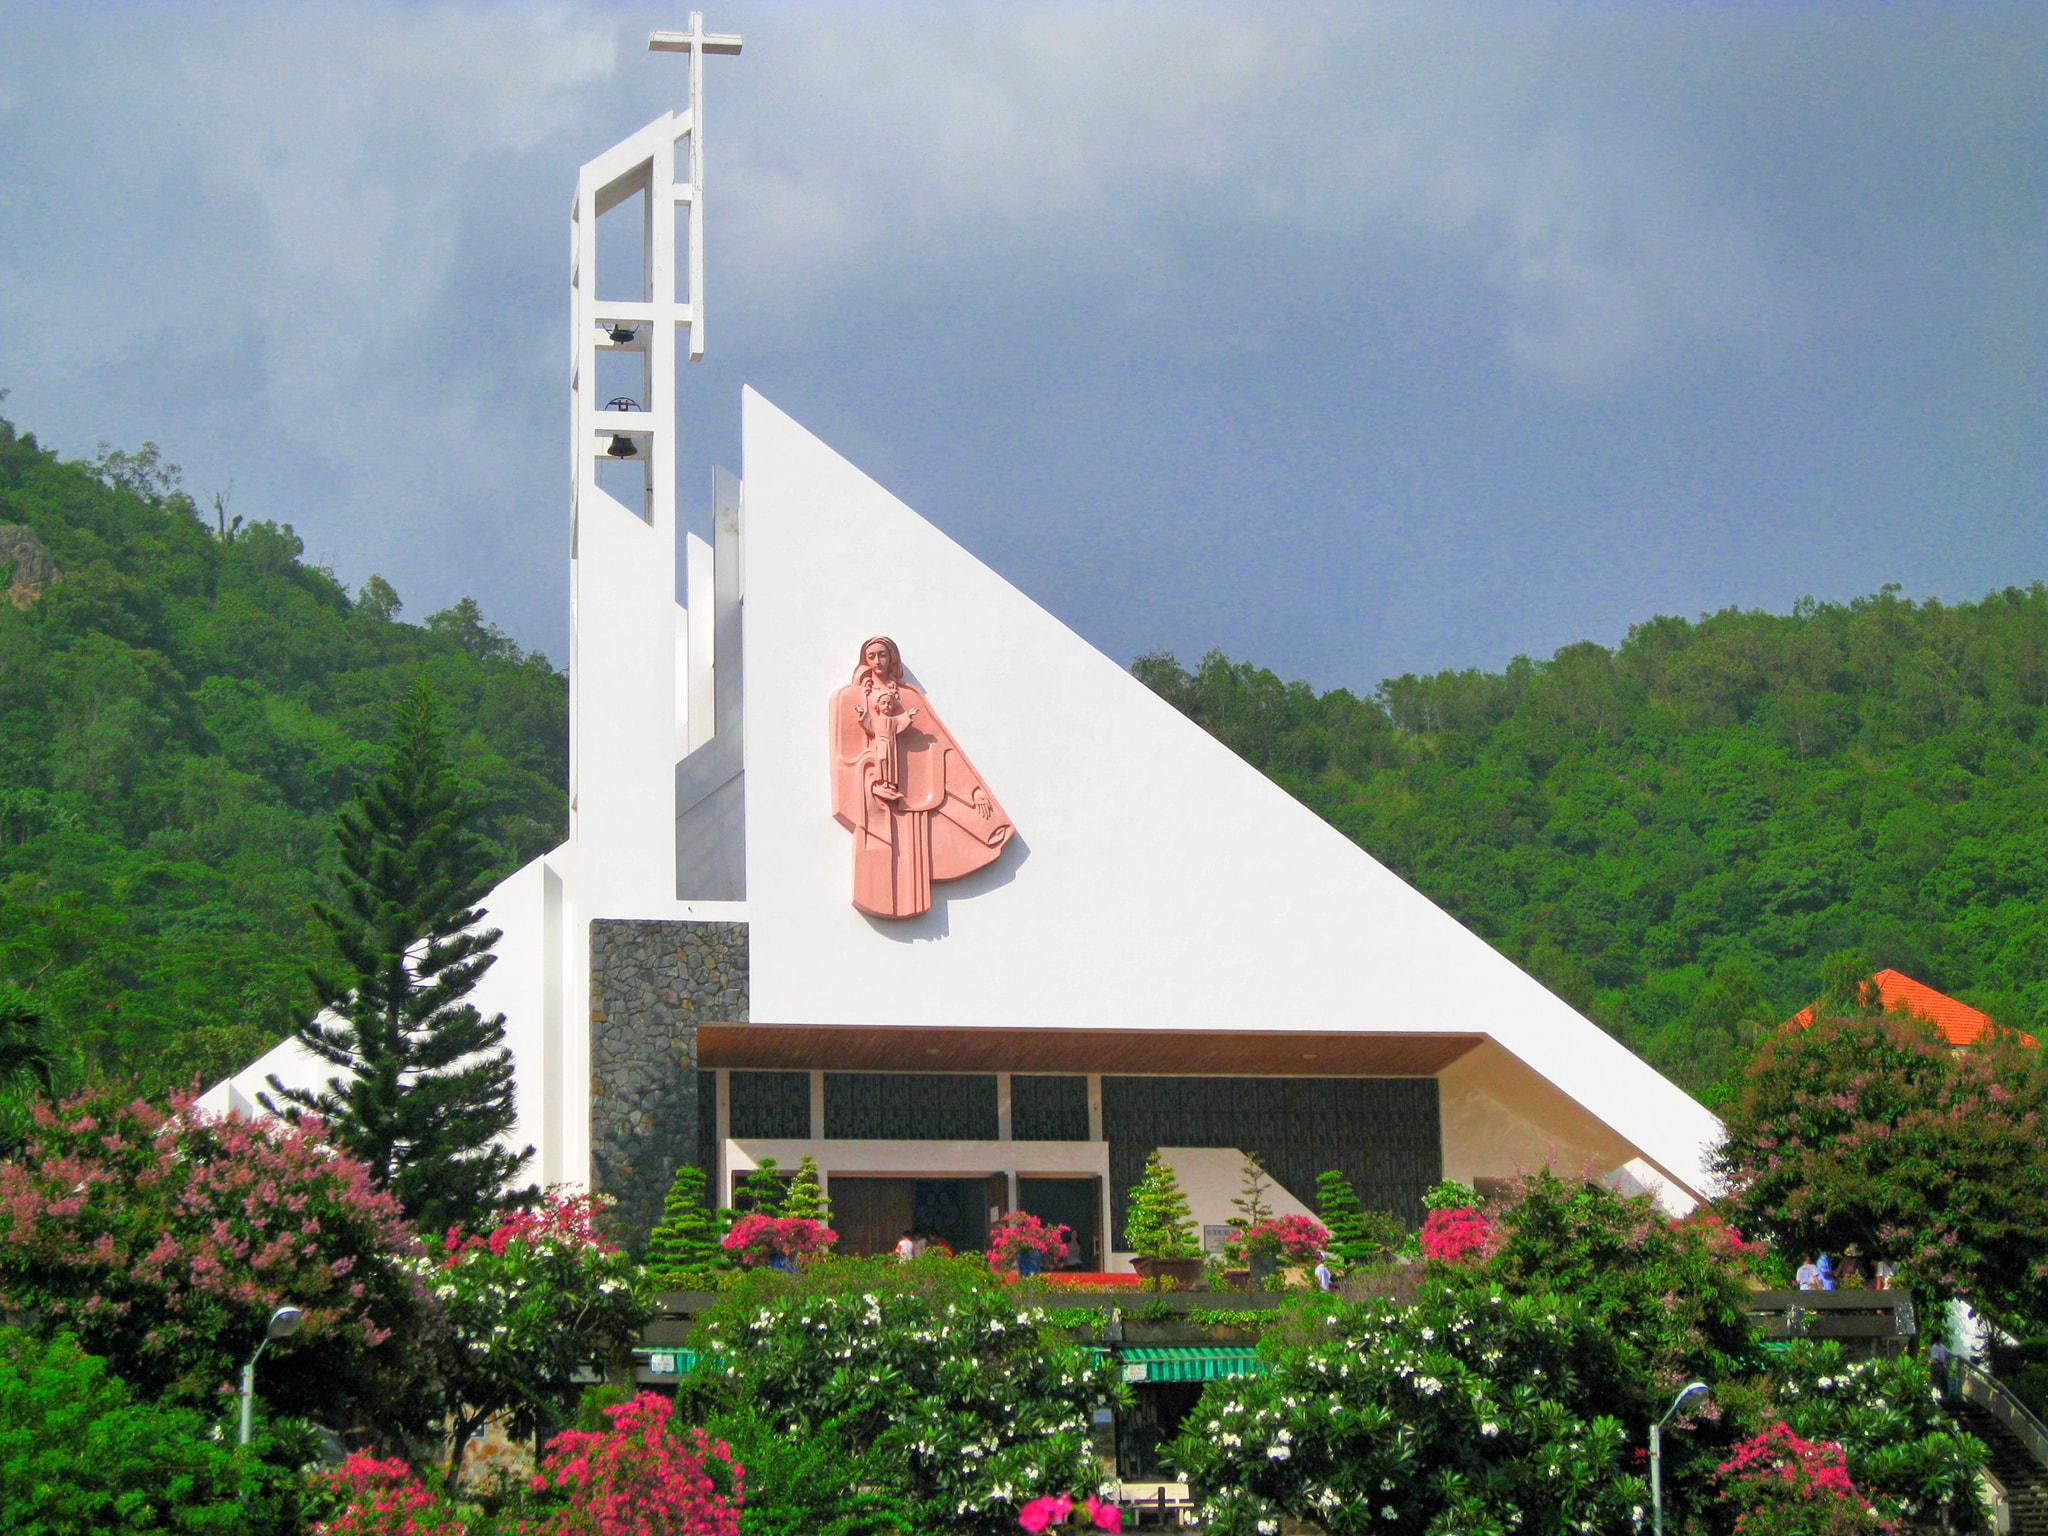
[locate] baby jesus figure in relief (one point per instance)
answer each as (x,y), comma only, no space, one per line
(886,721)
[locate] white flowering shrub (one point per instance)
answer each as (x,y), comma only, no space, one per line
(934,1377)
(1903,1448)
(1472,1411)
(523,1308)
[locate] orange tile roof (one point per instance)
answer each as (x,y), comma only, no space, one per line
(1959,1023)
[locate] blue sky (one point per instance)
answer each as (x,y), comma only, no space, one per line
(1355,340)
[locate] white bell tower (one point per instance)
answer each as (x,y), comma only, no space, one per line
(631,662)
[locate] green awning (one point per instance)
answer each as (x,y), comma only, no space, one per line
(1188,1362)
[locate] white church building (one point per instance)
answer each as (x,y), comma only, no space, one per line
(871,858)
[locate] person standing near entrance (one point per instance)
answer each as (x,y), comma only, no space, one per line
(906,1247)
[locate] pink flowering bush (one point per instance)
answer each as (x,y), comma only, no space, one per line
(1782,1485)
(381,1498)
(635,1478)
(1721,1239)
(523,1308)
(1297,1239)
(638,1479)
(1455,1235)
(1053,1509)
(165,1239)
(1021,1232)
(759,1239)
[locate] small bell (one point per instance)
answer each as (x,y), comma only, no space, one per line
(623,447)
(621,333)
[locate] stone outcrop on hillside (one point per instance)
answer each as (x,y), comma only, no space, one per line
(26,569)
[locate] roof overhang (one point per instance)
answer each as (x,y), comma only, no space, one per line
(1134,1052)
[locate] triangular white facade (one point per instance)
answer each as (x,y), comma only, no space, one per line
(1158,880)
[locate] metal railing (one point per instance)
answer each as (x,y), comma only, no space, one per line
(1995,1398)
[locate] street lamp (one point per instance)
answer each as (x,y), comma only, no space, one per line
(1690,1389)
(284,1322)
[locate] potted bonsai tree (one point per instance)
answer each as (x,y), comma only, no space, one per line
(1161,1229)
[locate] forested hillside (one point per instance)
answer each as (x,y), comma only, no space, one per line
(1674,834)
(183,705)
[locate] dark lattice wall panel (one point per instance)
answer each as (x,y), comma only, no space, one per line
(1049,1108)
(707,1127)
(910,1106)
(770,1104)
(1382,1133)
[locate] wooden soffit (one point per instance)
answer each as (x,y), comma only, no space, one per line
(1120,1052)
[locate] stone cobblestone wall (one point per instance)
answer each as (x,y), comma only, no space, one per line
(651,985)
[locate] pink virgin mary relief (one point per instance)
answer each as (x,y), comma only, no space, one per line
(901,785)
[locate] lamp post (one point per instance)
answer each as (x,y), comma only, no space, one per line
(1690,1389)
(284,1322)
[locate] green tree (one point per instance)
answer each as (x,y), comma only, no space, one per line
(1158,1223)
(1358,1237)
(1869,1129)
(378,599)
(684,1246)
(80,1455)
(806,1196)
(28,1065)
(426,1093)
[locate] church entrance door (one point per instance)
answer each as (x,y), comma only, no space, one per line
(872,1214)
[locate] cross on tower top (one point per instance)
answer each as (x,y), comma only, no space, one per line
(696,42)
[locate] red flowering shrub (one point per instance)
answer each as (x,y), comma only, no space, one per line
(1785,1486)
(637,1479)
(382,1498)
(759,1239)
(164,1241)
(1298,1239)
(1022,1232)
(1455,1235)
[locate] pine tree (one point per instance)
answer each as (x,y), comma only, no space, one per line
(1358,1237)
(685,1243)
(1252,1206)
(1157,1221)
(425,1087)
(806,1196)
(763,1191)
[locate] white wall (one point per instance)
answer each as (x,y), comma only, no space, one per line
(1155,879)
